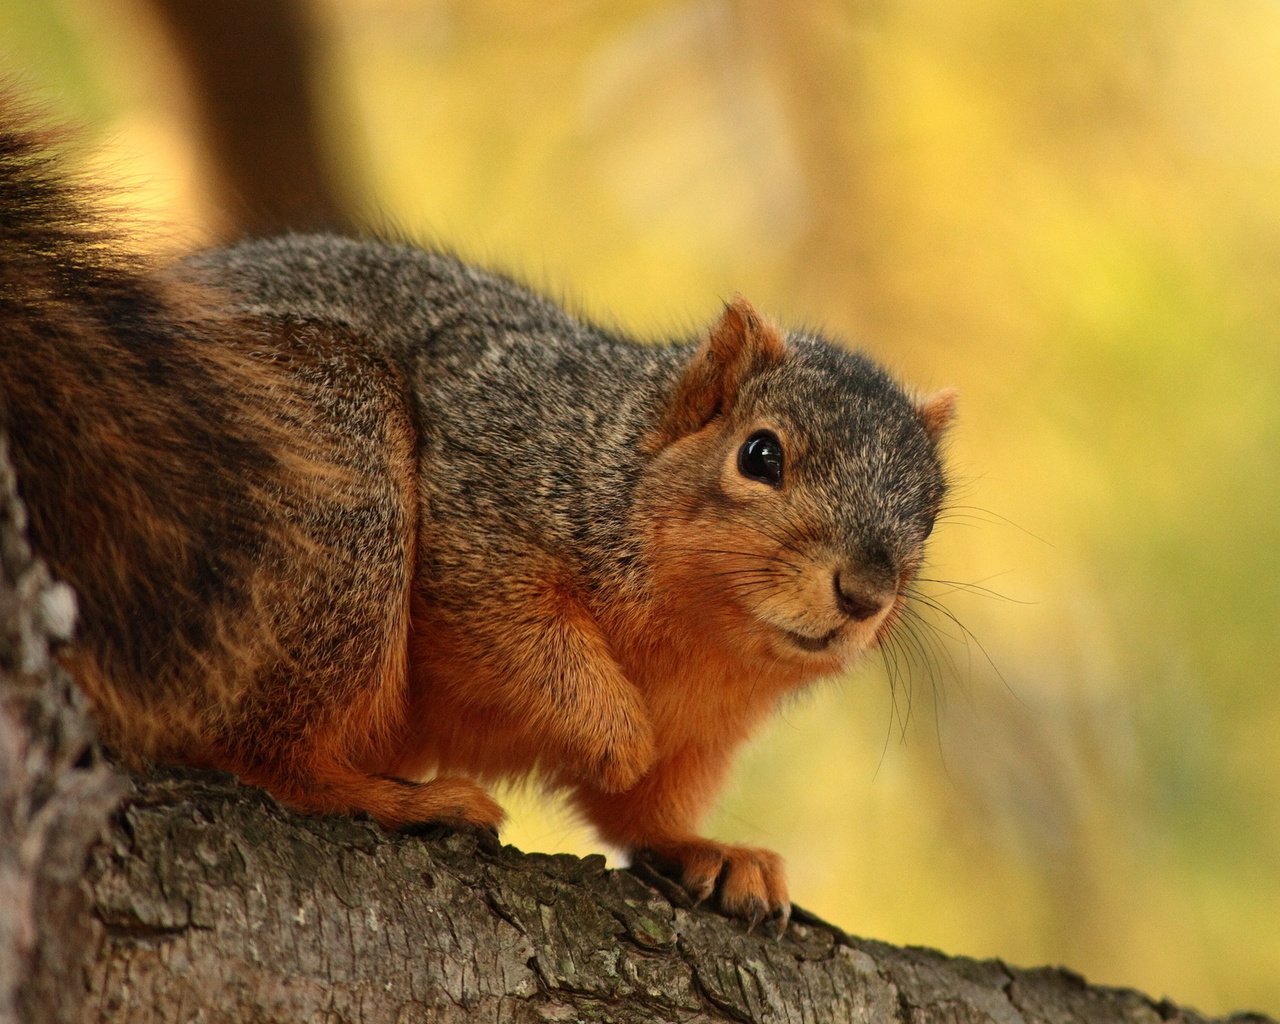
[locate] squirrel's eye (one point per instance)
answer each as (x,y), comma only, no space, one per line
(760,458)
(928,528)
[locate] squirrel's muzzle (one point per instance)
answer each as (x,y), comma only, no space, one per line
(856,599)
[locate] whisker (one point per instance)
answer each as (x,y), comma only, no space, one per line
(787,540)
(747,588)
(936,635)
(900,655)
(890,671)
(918,654)
(968,636)
(922,652)
(930,653)
(985,515)
(766,570)
(737,554)
(975,588)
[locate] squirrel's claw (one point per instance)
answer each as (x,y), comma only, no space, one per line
(755,911)
(741,881)
(775,925)
(643,866)
(485,836)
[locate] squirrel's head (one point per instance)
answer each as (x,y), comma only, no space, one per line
(794,485)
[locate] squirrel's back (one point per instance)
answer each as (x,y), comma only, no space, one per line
(529,417)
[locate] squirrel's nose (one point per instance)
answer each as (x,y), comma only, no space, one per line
(856,602)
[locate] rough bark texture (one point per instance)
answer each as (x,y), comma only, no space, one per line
(55,794)
(197,899)
(213,898)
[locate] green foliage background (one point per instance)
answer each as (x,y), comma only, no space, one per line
(1071,211)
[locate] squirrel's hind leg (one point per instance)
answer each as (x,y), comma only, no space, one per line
(320,725)
(336,788)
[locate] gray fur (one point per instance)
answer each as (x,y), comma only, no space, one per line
(531,421)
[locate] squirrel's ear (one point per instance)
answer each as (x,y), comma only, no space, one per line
(740,342)
(936,411)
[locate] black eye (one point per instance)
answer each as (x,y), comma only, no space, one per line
(760,458)
(928,528)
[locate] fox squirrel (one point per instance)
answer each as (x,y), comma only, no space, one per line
(347,515)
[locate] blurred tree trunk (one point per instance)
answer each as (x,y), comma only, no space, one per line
(200,899)
(253,72)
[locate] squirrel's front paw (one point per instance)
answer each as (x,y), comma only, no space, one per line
(743,881)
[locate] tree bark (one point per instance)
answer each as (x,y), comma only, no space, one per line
(188,897)
(55,794)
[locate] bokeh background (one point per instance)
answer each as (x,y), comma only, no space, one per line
(1071,211)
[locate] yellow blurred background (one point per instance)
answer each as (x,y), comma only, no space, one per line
(1071,211)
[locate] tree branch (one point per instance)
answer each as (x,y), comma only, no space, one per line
(280,917)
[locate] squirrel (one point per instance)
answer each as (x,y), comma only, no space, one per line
(370,527)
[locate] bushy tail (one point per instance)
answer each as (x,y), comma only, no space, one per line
(232,499)
(41,221)
(126,407)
